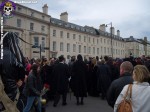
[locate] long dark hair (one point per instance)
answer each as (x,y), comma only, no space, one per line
(34,68)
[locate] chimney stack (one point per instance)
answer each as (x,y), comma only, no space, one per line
(45,9)
(145,39)
(64,16)
(118,33)
(102,27)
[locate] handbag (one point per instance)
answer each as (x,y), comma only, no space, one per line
(126,104)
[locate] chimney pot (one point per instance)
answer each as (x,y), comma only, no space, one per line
(64,16)
(102,27)
(118,33)
(45,9)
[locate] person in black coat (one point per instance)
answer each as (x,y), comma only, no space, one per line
(118,84)
(93,79)
(78,79)
(60,81)
(104,78)
(45,71)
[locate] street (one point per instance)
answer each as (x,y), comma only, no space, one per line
(91,104)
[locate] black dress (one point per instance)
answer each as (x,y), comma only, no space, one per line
(79,79)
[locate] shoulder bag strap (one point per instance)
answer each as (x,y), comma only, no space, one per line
(129,88)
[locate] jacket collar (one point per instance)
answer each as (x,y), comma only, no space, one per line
(142,84)
(126,74)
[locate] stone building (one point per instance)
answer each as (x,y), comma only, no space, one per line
(61,37)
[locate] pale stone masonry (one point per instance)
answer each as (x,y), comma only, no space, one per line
(137,47)
(65,38)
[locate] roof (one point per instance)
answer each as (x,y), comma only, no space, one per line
(131,39)
(107,34)
(85,29)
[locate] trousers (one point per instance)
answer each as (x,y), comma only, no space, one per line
(30,102)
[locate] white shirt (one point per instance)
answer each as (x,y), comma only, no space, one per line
(140,97)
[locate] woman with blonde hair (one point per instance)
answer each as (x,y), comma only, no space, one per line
(140,94)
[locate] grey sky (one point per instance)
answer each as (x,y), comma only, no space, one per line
(131,17)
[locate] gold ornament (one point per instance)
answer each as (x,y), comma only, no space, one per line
(8,4)
(43,101)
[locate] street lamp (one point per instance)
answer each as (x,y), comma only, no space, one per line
(111,37)
(40,48)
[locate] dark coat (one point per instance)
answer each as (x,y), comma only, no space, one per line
(93,82)
(60,78)
(11,73)
(78,79)
(104,78)
(34,84)
(46,74)
(116,88)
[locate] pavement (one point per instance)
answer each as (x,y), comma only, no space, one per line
(91,104)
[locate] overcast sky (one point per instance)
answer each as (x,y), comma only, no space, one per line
(131,17)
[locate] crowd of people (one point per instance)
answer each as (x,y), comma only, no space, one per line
(24,82)
(95,77)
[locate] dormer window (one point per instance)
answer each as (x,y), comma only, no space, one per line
(19,9)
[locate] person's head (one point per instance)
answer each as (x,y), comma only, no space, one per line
(45,61)
(110,61)
(126,67)
(52,61)
(94,61)
(97,58)
(102,61)
(73,58)
(106,58)
(79,57)
(35,69)
(38,61)
(61,58)
(141,74)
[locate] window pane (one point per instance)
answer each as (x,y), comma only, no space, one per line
(54,46)
(68,47)
(79,48)
(36,41)
(79,37)
(68,35)
(18,22)
(61,34)
(74,36)
(93,50)
(89,50)
(31,26)
(61,46)
(54,33)
(84,38)
(84,49)
(97,51)
(74,48)
(42,28)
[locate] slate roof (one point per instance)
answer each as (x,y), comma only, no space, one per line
(131,39)
(84,29)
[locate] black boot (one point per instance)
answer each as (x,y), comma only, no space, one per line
(82,103)
(77,100)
